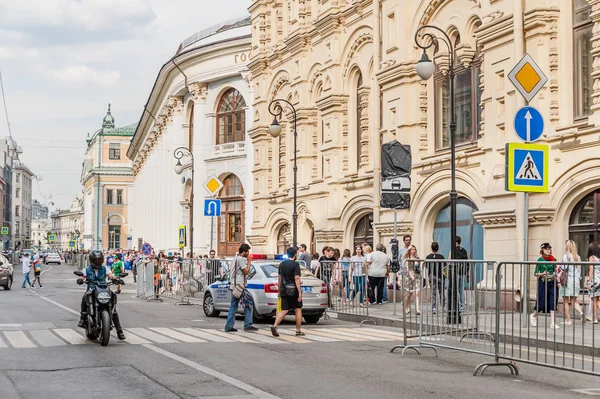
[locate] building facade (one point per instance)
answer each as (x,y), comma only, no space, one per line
(21,199)
(39,211)
(39,233)
(67,226)
(349,68)
(201,101)
(6,162)
(107,181)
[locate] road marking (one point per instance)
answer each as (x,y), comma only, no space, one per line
(152,336)
(267,339)
(57,304)
(348,334)
(232,336)
(309,336)
(393,333)
(360,331)
(295,340)
(71,336)
(47,270)
(592,391)
(177,335)
(214,373)
(325,334)
(204,335)
(135,340)
(18,339)
(2,343)
(45,338)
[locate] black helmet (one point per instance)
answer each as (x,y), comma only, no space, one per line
(96,258)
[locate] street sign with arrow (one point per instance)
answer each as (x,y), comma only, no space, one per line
(212,207)
(529,124)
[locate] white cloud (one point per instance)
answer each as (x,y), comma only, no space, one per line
(85,74)
(89,14)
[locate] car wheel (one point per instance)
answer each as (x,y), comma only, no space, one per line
(209,306)
(8,285)
(312,319)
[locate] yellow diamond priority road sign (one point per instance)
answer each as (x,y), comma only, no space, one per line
(213,185)
(527,77)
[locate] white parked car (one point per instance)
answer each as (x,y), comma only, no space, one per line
(53,258)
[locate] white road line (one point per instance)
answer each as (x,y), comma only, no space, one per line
(151,336)
(45,338)
(47,270)
(177,335)
(204,335)
(135,340)
(57,304)
(349,334)
(2,343)
(266,340)
(313,337)
(214,373)
(18,339)
(71,336)
(387,332)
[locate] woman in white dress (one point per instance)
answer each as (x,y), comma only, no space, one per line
(570,291)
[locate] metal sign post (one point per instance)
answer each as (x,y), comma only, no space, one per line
(528,79)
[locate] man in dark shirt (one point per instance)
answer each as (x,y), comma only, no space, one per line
(436,275)
(290,291)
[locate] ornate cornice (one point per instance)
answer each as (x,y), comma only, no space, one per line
(329,235)
(199,91)
(387,228)
(257,239)
(496,218)
(541,216)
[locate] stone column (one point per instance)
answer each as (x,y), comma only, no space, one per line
(595,16)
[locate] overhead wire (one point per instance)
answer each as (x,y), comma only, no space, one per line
(4,101)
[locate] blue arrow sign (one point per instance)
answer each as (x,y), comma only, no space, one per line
(529,124)
(212,207)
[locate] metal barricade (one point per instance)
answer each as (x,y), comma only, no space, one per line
(347,288)
(454,303)
(552,326)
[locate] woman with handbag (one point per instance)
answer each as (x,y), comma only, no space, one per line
(546,292)
(411,278)
(569,277)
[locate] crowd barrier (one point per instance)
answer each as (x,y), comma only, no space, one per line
(184,281)
(493,318)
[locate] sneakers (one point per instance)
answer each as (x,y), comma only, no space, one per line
(251,328)
(532,321)
(554,326)
(588,318)
(433,311)
(568,323)
(81,323)
(462,308)
(231,330)
(121,336)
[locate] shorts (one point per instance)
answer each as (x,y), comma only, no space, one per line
(290,303)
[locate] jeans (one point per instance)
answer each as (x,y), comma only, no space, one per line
(345,284)
(376,283)
(231,315)
(437,291)
(385,294)
(359,287)
(461,289)
(26,280)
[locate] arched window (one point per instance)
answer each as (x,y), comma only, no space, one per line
(363,232)
(231,117)
(582,54)
(282,243)
(231,221)
(584,224)
(470,232)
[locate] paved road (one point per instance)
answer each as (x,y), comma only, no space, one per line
(176,352)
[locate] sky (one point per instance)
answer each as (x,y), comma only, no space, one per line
(64,61)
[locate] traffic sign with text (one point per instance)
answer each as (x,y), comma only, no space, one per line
(527,167)
(212,207)
(529,124)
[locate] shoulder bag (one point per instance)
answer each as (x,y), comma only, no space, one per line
(237,289)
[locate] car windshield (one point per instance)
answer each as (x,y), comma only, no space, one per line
(272,271)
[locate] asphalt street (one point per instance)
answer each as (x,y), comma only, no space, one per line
(177,352)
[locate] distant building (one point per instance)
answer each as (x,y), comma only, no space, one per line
(107,180)
(38,210)
(6,164)
(67,225)
(39,232)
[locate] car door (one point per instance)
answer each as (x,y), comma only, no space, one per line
(222,297)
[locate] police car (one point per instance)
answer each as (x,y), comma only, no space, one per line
(262,285)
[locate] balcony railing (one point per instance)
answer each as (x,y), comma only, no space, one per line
(229,149)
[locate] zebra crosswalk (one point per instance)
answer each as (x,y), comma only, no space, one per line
(54,337)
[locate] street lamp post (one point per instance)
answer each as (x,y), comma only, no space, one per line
(276,109)
(426,69)
(178,154)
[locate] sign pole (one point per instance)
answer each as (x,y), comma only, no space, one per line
(395,274)
(525,298)
(212,229)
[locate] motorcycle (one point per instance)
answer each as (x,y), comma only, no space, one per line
(100,308)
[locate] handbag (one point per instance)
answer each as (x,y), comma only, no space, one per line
(563,277)
(290,290)
(238,289)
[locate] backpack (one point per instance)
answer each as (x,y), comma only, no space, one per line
(461,253)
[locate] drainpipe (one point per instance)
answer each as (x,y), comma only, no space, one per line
(375,128)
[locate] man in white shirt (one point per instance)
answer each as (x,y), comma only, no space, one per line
(378,268)
(26,264)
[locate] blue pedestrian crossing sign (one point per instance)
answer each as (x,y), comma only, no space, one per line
(71,244)
(527,167)
(212,207)
(182,237)
(52,238)
(529,124)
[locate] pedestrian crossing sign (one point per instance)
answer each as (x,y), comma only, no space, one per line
(71,244)
(5,231)
(527,167)
(182,237)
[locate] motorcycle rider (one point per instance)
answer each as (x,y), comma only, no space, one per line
(98,273)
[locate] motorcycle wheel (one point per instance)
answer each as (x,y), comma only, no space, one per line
(90,330)
(105,328)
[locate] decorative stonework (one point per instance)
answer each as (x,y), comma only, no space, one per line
(329,236)
(553,63)
(423,115)
(541,216)
(362,39)
(257,240)
(363,100)
(387,229)
(496,218)
(199,91)
(595,16)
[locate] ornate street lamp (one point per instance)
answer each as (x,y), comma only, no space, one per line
(178,154)
(276,109)
(425,70)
